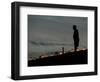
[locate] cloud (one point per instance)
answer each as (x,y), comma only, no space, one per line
(49,43)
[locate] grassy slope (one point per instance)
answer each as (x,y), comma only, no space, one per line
(69,58)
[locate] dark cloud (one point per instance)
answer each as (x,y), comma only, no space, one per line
(48,44)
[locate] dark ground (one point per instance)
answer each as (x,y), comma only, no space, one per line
(69,58)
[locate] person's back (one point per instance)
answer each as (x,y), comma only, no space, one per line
(76,35)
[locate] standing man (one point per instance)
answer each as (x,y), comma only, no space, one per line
(75,37)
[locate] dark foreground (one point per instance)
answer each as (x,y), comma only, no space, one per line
(69,58)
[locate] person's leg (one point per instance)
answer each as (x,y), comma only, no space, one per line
(75,46)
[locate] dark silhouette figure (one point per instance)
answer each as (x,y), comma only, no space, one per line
(75,37)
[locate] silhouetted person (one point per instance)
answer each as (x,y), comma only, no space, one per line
(75,37)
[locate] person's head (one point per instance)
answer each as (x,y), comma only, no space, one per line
(74,27)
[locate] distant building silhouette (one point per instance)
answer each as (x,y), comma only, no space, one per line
(75,37)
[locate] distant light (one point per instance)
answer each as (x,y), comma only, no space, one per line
(78,50)
(43,56)
(83,49)
(60,53)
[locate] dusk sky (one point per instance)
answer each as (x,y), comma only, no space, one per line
(51,33)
